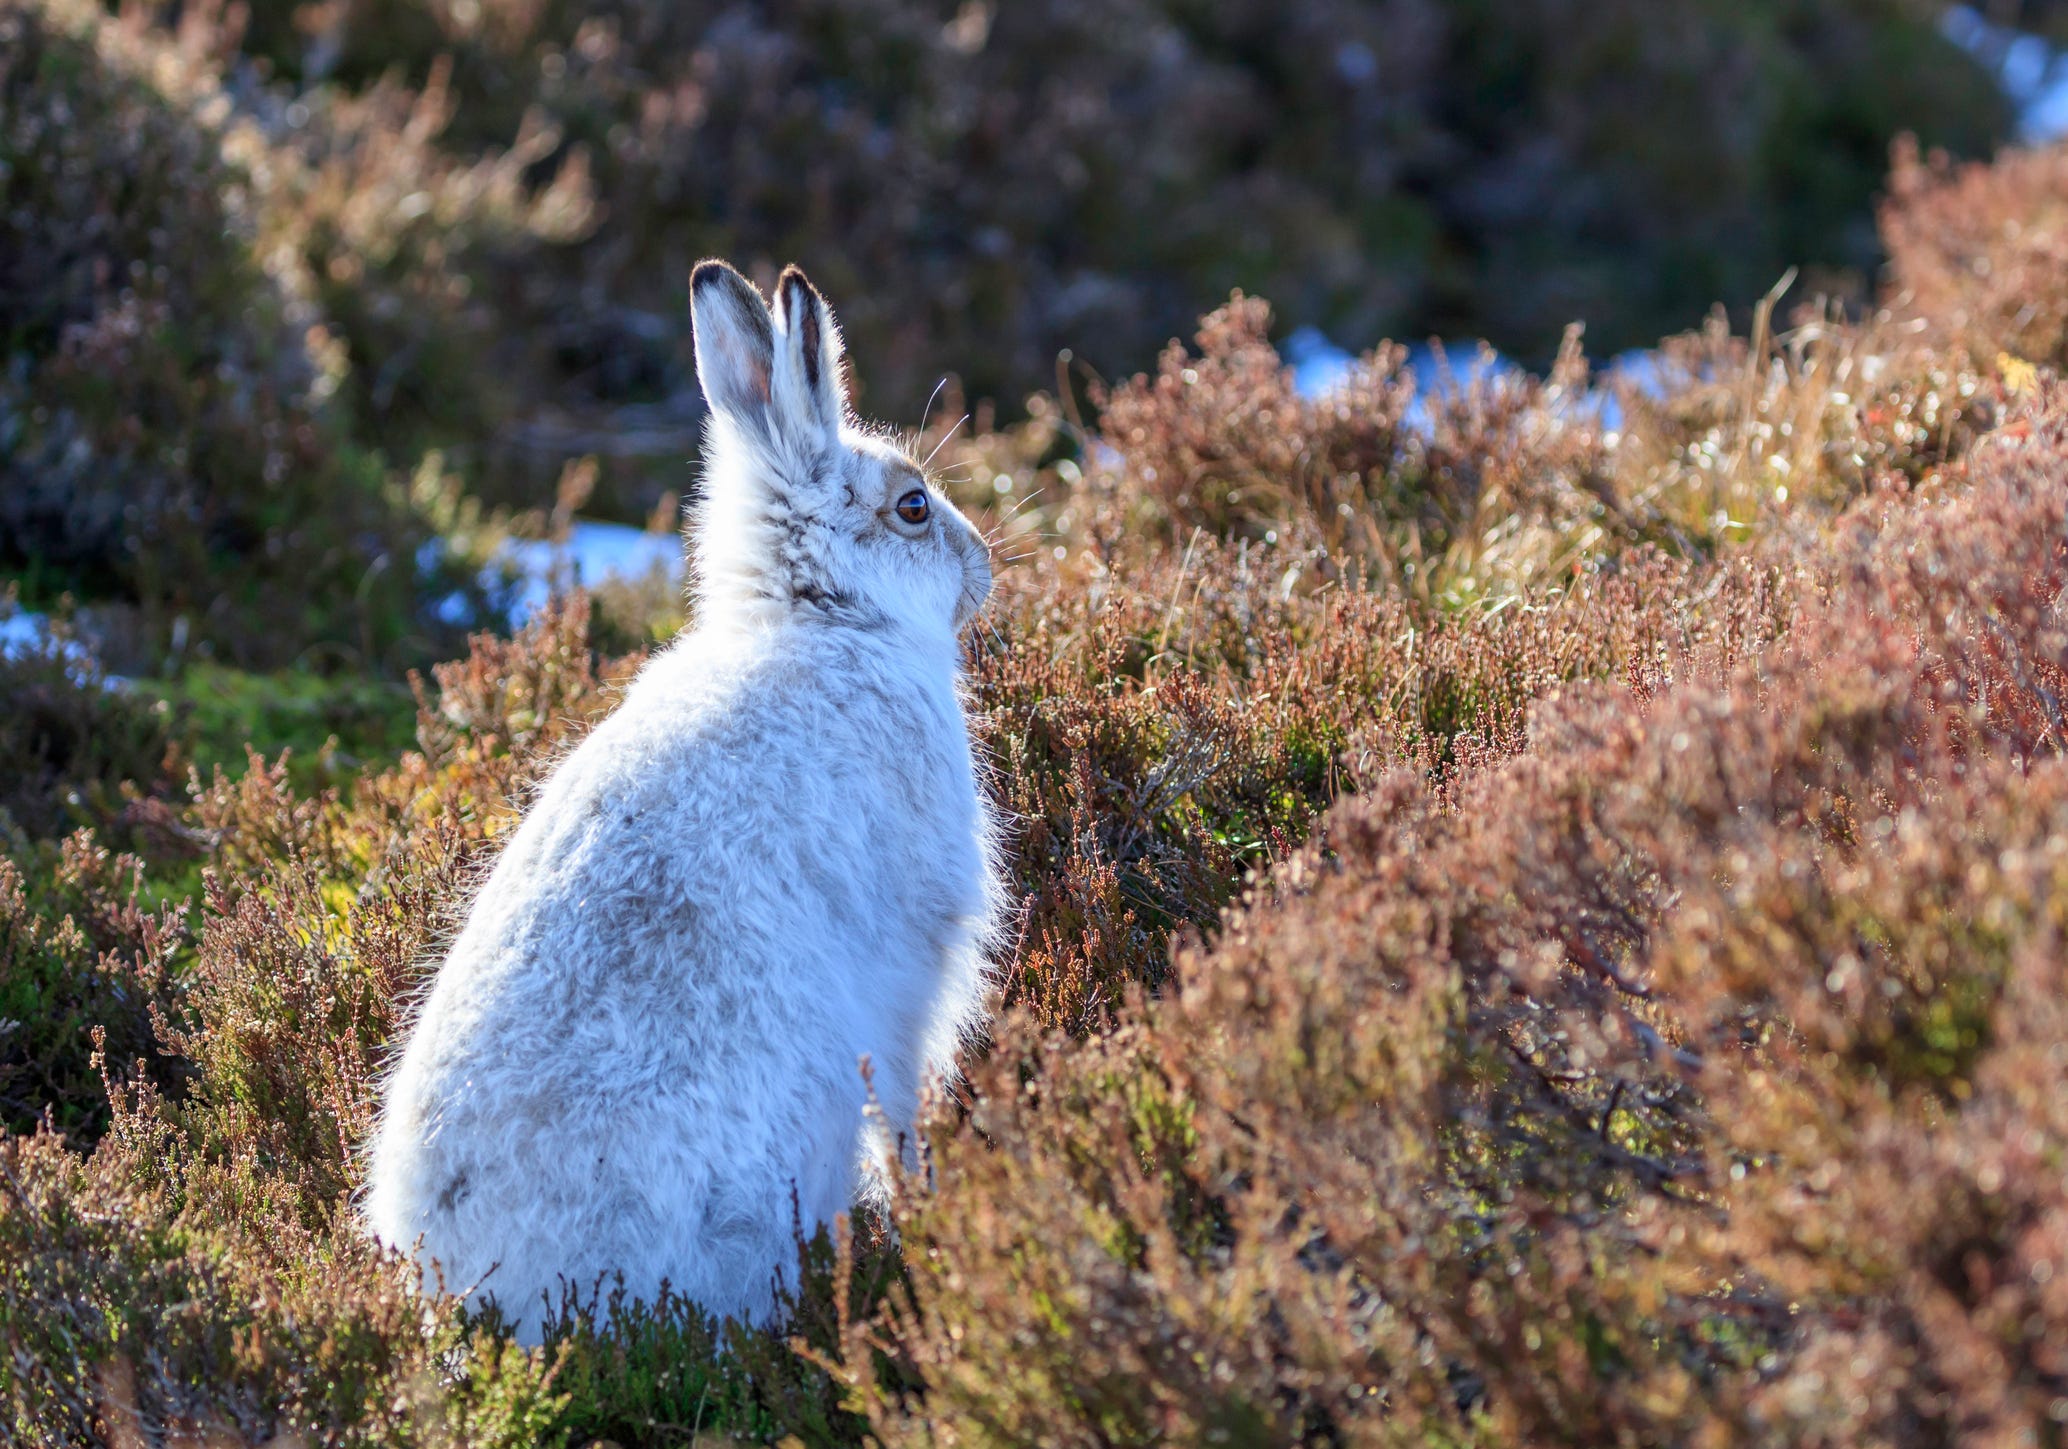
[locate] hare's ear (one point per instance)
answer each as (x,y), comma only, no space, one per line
(810,391)
(735,343)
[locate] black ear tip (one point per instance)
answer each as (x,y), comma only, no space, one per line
(793,276)
(716,272)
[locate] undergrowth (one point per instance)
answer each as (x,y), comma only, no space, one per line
(1537,923)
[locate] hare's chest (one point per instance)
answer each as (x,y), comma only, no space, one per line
(837,791)
(905,805)
(917,819)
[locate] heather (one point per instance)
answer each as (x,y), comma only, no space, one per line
(1690,1074)
(1610,1005)
(344,251)
(1536,896)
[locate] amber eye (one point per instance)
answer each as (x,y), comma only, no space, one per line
(914,507)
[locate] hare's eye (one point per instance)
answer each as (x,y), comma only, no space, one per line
(914,507)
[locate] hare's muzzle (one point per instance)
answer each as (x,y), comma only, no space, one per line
(976,575)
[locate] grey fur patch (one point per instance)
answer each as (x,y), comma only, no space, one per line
(801,301)
(811,349)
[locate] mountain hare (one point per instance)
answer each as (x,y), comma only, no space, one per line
(772,862)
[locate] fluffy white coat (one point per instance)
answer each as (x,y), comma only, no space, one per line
(771,862)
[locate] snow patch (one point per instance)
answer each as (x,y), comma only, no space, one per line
(1319,366)
(2029,70)
(26,632)
(591,554)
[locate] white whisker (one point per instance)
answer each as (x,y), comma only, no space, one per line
(931,399)
(944,440)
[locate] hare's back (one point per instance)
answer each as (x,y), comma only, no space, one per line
(723,824)
(747,849)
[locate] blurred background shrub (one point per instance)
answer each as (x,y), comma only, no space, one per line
(318,244)
(984,185)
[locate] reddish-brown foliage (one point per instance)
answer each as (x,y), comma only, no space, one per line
(1691,1074)
(1601,985)
(1977,250)
(1222,442)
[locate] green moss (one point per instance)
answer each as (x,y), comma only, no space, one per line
(336,727)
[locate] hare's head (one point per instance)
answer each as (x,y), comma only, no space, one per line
(802,511)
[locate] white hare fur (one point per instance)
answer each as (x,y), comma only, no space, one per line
(771,862)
